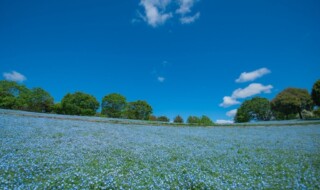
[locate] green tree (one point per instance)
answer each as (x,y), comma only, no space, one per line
(178,119)
(13,95)
(243,113)
(163,119)
(113,105)
(79,104)
(205,121)
(193,120)
(255,109)
(315,94)
(57,108)
(140,110)
(152,118)
(292,101)
(40,101)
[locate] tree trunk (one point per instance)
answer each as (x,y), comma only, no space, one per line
(300,115)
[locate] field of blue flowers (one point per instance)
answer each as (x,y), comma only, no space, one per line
(60,153)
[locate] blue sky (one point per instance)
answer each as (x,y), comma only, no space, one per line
(182,56)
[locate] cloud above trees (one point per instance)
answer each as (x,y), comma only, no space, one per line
(251,76)
(14,76)
(242,93)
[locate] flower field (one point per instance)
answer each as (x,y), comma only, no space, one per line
(61,153)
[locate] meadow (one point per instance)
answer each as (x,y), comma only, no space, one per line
(66,152)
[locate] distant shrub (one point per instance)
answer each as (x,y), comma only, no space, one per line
(178,119)
(307,114)
(202,121)
(152,118)
(163,119)
(193,120)
(205,121)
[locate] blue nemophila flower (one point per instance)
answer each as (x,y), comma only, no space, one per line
(70,154)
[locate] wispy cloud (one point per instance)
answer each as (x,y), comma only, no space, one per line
(158,12)
(251,90)
(232,113)
(161,79)
(14,76)
(155,12)
(185,6)
(251,76)
(190,19)
(222,121)
(228,101)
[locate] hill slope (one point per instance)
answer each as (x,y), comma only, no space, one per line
(58,153)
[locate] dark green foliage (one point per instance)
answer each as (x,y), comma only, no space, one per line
(113,105)
(292,101)
(140,110)
(163,119)
(204,120)
(152,118)
(40,101)
(178,119)
(316,93)
(317,113)
(255,109)
(193,120)
(13,95)
(243,113)
(57,108)
(79,104)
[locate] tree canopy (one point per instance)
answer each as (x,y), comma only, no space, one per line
(163,119)
(316,93)
(79,103)
(13,95)
(113,105)
(292,101)
(203,120)
(178,119)
(140,110)
(193,120)
(40,101)
(255,109)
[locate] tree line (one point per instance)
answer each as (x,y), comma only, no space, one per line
(291,103)
(286,105)
(19,97)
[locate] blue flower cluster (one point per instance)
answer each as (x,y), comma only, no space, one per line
(59,153)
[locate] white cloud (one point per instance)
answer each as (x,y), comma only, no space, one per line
(228,101)
(158,12)
(221,121)
(155,11)
(190,19)
(251,90)
(232,113)
(185,6)
(251,76)
(161,79)
(14,76)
